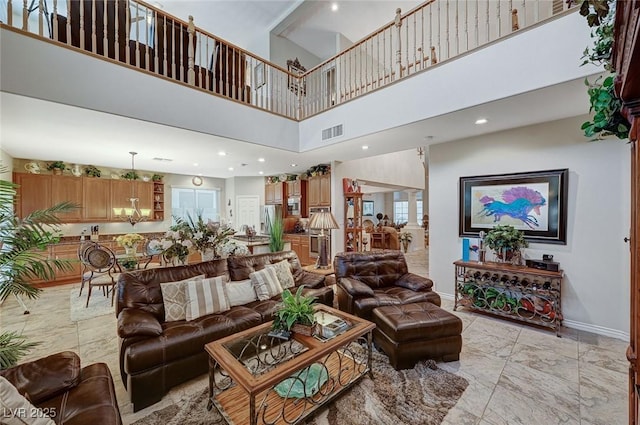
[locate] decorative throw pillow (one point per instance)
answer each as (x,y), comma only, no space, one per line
(283,271)
(240,292)
(16,410)
(174,299)
(265,283)
(206,297)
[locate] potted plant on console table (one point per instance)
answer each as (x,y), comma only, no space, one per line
(506,242)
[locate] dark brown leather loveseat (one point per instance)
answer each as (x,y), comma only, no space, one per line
(378,278)
(156,355)
(67,393)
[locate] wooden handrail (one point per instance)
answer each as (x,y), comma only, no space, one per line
(430,33)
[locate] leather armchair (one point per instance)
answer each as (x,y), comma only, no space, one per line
(366,280)
(69,394)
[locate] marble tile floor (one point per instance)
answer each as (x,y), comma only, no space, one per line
(517,374)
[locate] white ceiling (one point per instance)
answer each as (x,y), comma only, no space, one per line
(61,129)
(309,23)
(42,130)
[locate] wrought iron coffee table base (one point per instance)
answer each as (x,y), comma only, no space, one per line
(344,367)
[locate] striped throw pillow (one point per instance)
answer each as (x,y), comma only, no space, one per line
(266,284)
(206,297)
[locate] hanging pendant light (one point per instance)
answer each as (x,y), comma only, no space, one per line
(132,213)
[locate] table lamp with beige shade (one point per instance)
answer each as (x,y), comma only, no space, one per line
(322,221)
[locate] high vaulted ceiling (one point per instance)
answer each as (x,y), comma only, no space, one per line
(26,123)
(311,24)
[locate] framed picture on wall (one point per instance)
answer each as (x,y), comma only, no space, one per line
(258,75)
(296,85)
(534,202)
(367,208)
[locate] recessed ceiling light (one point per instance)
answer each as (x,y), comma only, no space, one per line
(222,153)
(365,147)
(481,121)
(334,7)
(230,168)
(294,165)
(260,159)
(261,172)
(195,164)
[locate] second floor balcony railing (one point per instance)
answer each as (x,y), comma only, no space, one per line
(139,35)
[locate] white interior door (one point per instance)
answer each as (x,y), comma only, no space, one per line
(247,211)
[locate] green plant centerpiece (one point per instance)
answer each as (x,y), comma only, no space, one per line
(23,258)
(295,310)
(129,263)
(157,178)
(506,242)
(92,171)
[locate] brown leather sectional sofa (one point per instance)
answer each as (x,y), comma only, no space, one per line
(156,355)
(69,394)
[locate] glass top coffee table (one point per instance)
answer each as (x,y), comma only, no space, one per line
(258,379)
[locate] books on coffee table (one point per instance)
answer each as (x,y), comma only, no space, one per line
(330,325)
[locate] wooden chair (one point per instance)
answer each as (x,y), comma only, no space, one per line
(100,263)
(84,245)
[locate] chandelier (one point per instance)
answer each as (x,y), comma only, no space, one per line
(132,214)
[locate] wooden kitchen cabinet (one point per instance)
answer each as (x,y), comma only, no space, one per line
(123,190)
(67,189)
(325,190)
(274,193)
(319,191)
(96,204)
(145,193)
(95,196)
(294,188)
(299,244)
(67,252)
(158,201)
(34,193)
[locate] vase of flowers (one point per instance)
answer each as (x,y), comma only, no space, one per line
(406,238)
(232,247)
(130,242)
(176,244)
(207,237)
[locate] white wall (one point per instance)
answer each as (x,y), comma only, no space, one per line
(6,161)
(595,259)
(498,71)
(283,49)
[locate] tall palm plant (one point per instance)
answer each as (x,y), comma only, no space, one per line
(22,258)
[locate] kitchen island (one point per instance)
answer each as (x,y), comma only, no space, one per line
(258,244)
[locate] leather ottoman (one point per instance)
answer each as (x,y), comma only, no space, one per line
(412,332)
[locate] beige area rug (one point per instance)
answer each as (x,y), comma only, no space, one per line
(422,395)
(99,305)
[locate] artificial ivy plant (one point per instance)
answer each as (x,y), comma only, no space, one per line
(604,103)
